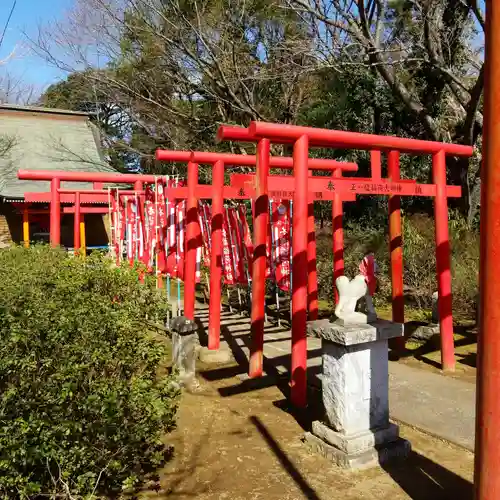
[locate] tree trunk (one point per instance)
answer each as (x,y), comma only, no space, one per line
(458,170)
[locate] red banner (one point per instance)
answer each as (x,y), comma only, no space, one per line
(205,221)
(180,209)
(175,235)
(141,229)
(150,223)
(227,258)
(247,236)
(133,224)
(368,268)
(122,219)
(208,223)
(280,225)
(116,230)
(238,247)
(129,221)
(199,252)
(161,225)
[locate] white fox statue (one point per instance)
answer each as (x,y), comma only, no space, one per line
(350,292)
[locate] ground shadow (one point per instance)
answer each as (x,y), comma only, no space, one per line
(433,345)
(423,479)
(285,462)
(202,332)
(175,483)
(272,377)
(469,359)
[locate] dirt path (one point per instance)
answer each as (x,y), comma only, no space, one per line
(232,444)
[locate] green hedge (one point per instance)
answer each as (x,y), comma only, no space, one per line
(82,405)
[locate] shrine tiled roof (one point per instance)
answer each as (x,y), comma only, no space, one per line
(46,139)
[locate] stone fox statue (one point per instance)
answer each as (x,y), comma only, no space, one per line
(351,292)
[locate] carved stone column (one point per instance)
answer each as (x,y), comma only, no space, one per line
(356,431)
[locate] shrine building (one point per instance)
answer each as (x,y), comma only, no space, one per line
(46,139)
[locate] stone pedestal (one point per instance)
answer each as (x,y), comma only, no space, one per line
(184,349)
(424,333)
(435,308)
(356,431)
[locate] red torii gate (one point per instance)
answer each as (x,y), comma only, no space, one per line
(218,192)
(487,452)
(304,137)
(77,198)
(77,194)
(56,177)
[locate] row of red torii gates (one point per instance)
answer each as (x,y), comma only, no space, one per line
(487,453)
(303,189)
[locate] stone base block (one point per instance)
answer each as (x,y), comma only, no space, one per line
(424,333)
(356,319)
(355,443)
(351,335)
(379,455)
(184,357)
(220,356)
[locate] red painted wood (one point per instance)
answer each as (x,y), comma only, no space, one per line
(396,250)
(76,223)
(443,264)
(191,241)
(299,263)
(325,187)
(338,236)
(259,263)
(216,256)
(55,212)
(230,160)
(487,450)
(312,272)
(278,132)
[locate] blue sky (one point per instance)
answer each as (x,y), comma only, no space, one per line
(28,14)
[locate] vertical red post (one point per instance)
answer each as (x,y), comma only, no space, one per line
(312,273)
(216,257)
(130,231)
(55,213)
(118,234)
(160,248)
(487,451)
(396,249)
(141,216)
(191,241)
(338,236)
(76,224)
(443,262)
(299,263)
(376,165)
(139,221)
(259,263)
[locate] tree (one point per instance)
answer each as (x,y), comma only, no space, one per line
(79,92)
(178,68)
(426,52)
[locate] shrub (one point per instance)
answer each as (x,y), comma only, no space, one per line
(82,405)
(418,257)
